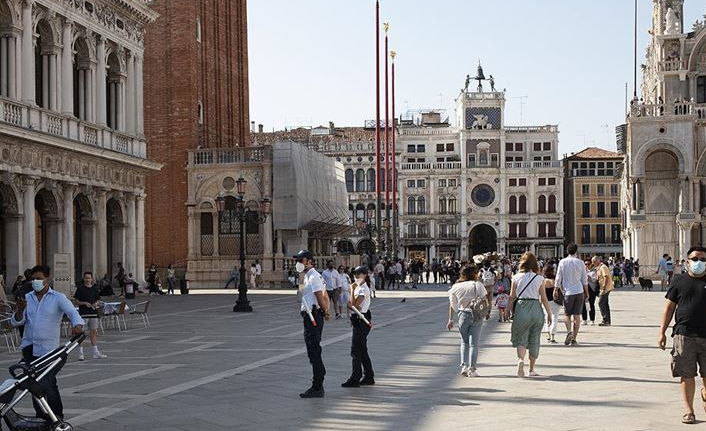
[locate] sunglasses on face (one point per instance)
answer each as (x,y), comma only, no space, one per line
(696,259)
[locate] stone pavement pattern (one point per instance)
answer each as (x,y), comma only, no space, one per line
(203,367)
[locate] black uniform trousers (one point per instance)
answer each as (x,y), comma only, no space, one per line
(359,348)
(312,339)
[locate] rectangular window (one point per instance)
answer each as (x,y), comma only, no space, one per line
(442,183)
(421,149)
(600,211)
(411,183)
(509,146)
(423,232)
(614,210)
(552,230)
(523,230)
(440,159)
(471,160)
(542,181)
(614,190)
(518,146)
(701,89)
(512,182)
(547,158)
(615,234)
(600,190)
(411,148)
(450,147)
(411,230)
(522,182)
(494,159)
(421,159)
(452,182)
(439,148)
(600,234)
(586,234)
(547,146)
(542,230)
(513,230)
(585,189)
(537,158)
(421,184)
(509,159)
(552,181)
(586,209)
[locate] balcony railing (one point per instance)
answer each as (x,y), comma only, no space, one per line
(441,166)
(67,127)
(426,131)
(684,108)
(532,129)
(672,65)
(488,165)
(230,156)
(533,165)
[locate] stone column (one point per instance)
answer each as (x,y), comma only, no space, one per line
(696,193)
(67,75)
(4,57)
(16,73)
(131,243)
(130,95)
(100,254)
(192,237)
(82,94)
(90,97)
(216,242)
(139,94)
(28,54)
(101,117)
(46,98)
(113,106)
(30,224)
(68,225)
(140,239)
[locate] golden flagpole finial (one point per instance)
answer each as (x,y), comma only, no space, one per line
(386,25)
(393,54)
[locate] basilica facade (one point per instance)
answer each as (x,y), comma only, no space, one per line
(664,182)
(73,160)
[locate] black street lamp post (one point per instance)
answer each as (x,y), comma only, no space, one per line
(364,226)
(245,211)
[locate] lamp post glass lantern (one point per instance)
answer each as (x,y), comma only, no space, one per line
(253,212)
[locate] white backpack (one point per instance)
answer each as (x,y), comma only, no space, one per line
(488,278)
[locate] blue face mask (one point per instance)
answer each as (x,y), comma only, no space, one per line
(38,285)
(698,268)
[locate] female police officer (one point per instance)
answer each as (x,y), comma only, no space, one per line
(362,367)
(316,301)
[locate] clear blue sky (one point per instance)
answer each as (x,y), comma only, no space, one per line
(312,61)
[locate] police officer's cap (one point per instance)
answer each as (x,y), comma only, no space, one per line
(362,269)
(304,254)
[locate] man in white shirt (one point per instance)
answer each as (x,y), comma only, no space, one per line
(315,299)
(398,273)
(330,276)
(572,279)
(258,274)
(380,275)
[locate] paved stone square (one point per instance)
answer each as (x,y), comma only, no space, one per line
(201,366)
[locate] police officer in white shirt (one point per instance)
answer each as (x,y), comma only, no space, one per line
(315,298)
(362,366)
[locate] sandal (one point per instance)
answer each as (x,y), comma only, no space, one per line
(688,419)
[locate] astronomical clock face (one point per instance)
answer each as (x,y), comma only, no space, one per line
(483,195)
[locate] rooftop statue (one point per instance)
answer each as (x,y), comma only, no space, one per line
(673,27)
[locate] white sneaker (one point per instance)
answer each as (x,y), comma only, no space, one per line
(99,355)
(81,357)
(520,368)
(533,373)
(464,371)
(473,373)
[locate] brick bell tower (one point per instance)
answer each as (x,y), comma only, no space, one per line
(196,94)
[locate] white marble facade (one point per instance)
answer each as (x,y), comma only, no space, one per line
(72,147)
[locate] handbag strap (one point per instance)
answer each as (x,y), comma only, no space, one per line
(526,286)
(475,289)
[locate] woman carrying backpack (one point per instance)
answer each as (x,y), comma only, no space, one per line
(471,301)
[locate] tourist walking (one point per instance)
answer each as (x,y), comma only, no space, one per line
(552,319)
(152,279)
(572,280)
(662,270)
(171,280)
(605,285)
(362,367)
(233,278)
(88,300)
(316,302)
(686,302)
(344,286)
(258,274)
(43,329)
(464,299)
(330,276)
(589,307)
(528,296)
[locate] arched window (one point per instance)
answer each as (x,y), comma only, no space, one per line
(199,112)
(371,211)
(371,180)
(349,180)
(552,204)
(522,205)
(442,205)
(411,205)
(421,205)
(542,204)
(113,93)
(360,212)
(360,180)
(352,211)
(83,81)
(513,205)
(452,205)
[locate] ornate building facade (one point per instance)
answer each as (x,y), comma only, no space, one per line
(197,97)
(665,152)
(73,163)
(480,186)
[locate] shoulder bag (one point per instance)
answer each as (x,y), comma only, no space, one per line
(512,307)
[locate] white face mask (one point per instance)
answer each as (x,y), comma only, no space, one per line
(299,267)
(360,281)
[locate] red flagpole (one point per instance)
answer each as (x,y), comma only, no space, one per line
(377,120)
(394,164)
(387,130)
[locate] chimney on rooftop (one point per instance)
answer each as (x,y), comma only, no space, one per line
(330,126)
(260,128)
(252,126)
